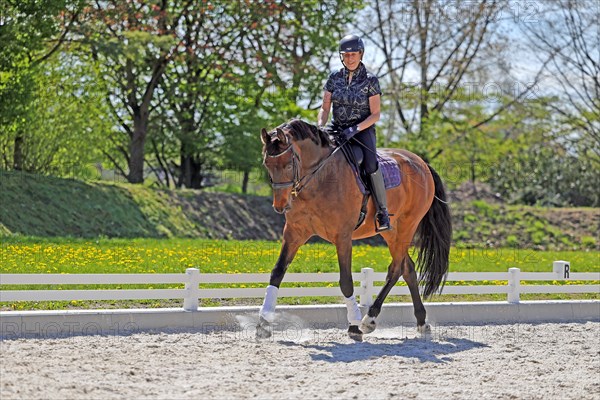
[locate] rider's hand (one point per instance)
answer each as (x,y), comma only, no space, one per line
(338,140)
(349,132)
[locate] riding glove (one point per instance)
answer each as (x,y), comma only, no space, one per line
(349,132)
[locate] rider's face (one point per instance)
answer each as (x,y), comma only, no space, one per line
(351,59)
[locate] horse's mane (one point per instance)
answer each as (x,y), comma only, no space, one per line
(301,130)
(298,130)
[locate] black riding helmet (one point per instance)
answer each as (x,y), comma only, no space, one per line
(351,43)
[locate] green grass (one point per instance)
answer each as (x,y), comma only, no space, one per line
(69,256)
(61,255)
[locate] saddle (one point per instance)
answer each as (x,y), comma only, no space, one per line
(387,165)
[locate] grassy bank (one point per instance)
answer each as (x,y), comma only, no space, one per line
(40,206)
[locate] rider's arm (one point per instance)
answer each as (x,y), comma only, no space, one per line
(325,107)
(375,106)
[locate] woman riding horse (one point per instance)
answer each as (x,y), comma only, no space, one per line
(315,187)
(356,97)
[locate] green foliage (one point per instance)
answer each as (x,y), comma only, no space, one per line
(45,206)
(48,115)
(27,26)
(199,81)
(485,208)
(547,175)
(62,121)
(512,240)
(482,224)
(588,242)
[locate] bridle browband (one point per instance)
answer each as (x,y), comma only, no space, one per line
(296,182)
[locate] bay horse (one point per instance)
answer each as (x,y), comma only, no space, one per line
(314,186)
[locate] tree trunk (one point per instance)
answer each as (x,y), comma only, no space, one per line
(245,181)
(136,147)
(423,61)
(184,169)
(18,153)
(191,171)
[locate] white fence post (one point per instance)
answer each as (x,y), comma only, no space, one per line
(562,269)
(366,299)
(514,285)
(190,302)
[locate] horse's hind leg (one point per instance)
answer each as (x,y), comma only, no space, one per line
(398,243)
(368,324)
(410,277)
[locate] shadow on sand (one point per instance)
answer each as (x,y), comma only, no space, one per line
(419,349)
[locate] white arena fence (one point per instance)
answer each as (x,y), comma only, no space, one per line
(367,289)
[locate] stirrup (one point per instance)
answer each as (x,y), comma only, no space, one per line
(385,225)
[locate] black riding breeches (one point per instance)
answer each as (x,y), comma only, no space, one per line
(367,142)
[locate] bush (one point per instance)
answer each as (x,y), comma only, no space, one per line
(548,176)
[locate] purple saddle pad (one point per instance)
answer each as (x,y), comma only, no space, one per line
(388,167)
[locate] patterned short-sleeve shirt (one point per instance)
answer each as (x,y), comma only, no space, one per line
(351,102)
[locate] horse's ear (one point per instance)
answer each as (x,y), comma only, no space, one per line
(282,136)
(264,136)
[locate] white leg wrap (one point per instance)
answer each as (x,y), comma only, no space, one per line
(267,311)
(424,329)
(354,315)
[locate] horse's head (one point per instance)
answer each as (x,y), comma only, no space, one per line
(282,161)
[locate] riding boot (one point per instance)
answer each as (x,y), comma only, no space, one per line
(378,187)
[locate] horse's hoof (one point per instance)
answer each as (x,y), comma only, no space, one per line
(355,333)
(263,329)
(424,329)
(368,324)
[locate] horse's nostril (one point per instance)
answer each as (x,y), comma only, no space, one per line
(280,210)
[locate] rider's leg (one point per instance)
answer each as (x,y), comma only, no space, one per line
(371,167)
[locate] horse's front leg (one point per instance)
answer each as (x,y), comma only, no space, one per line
(344,253)
(291,243)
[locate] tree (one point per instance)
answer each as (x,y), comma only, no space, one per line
(32,31)
(236,64)
(567,34)
(285,62)
(132,42)
(194,86)
(435,54)
(63,124)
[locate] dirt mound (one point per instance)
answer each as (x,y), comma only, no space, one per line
(229,216)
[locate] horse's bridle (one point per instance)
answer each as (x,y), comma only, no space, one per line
(296,182)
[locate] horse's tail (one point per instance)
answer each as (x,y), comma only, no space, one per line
(435,236)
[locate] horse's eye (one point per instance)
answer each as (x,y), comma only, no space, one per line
(288,167)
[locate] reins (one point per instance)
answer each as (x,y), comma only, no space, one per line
(312,174)
(296,182)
